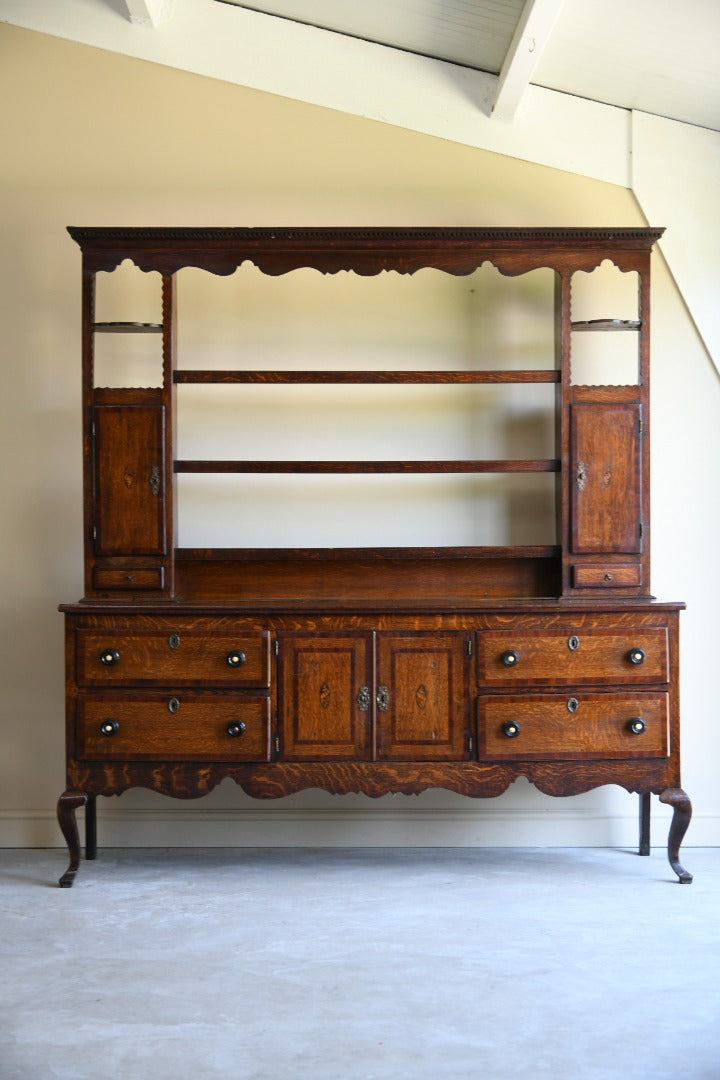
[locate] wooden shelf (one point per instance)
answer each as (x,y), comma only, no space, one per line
(400,377)
(127,328)
(368,554)
(549,465)
(606,325)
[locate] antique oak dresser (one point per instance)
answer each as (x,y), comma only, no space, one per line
(372,669)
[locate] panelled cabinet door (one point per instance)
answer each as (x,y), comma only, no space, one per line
(422,696)
(324,704)
(606,478)
(129,466)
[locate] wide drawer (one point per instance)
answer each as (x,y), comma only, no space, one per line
(545,727)
(173,658)
(198,728)
(547,657)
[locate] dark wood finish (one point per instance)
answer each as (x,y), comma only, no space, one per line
(182,653)
(182,727)
(129,474)
(437,576)
(365,250)
(68,803)
(325,682)
(609,575)
(555,726)
(422,697)
(296,466)
(433,378)
(607,514)
(682,812)
(370,670)
(128,578)
(91,827)
(644,822)
(596,654)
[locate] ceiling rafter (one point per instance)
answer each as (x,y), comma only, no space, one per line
(529,40)
(149,13)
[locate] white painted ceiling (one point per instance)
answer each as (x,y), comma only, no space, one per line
(474,33)
(656,56)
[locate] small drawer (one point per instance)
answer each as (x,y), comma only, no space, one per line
(129,578)
(547,657)
(138,727)
(545,727)
(607,577)
(173,657)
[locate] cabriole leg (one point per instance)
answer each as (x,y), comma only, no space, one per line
(682,812)
(644,845)
(68,803)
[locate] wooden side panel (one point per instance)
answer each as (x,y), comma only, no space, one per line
(606,478)
(422,697)
(129,480)
(325,709)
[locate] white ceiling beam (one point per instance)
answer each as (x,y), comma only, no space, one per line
(276,56)
(526,47)
(148,12)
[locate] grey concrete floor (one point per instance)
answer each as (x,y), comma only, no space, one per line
(380,964)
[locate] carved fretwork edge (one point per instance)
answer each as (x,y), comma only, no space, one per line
(365,251)
(272,780)
(276,780)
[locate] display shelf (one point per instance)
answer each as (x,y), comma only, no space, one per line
(127,328)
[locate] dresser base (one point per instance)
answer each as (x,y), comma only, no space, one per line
(70,801)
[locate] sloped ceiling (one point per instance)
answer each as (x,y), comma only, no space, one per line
(624,92)
(654,56)
(660,58)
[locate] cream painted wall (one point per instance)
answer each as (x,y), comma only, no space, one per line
(97,139)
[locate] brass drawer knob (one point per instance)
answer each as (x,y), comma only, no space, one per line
(108,657)
(510,658)
(235,728)
(109,728)
(636,725)
(511,729)
(636,656)
(236,658)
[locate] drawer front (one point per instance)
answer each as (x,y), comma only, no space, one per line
(613,576)
(133,578)
(173,658)
(546,727)
(548,657)
(196,728)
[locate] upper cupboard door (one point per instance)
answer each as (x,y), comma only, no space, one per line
(422,697)
(606,478)
(128,479)
(324,696)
